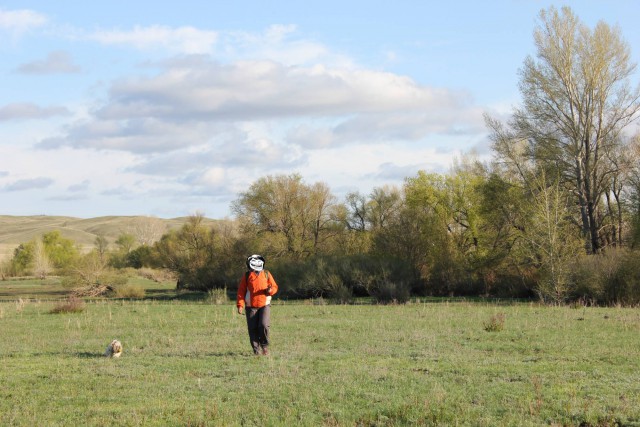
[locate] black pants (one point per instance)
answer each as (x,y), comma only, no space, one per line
(258,320)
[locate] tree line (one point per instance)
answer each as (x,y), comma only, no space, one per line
(554,215)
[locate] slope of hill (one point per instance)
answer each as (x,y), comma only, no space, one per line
(20,229)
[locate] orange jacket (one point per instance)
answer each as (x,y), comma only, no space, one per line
(252,290)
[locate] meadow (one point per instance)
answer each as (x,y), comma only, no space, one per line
(438,362)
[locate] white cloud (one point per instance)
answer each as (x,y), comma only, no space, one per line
(188,40)
(135,135)
(213,177)
(189,100)
(55,62)
(263,89)
(279,44)
(230,107)
(237,150)
(24,111)
(79,187)
(28,184)
(17,22)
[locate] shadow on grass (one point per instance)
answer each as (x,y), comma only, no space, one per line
(165,295)
(88,355)
(199,355)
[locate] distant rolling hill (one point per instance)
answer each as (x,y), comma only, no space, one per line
(20,229)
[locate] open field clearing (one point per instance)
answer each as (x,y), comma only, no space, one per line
(189,363)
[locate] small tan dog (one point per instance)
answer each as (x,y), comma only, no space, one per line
(114,349)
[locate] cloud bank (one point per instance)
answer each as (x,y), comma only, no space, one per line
(205,112)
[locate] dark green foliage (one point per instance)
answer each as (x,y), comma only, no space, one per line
(142,256)
(22,258)
(342,277)
(202,257)
(387,292)
(612,277)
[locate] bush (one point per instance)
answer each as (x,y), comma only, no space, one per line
(612,277)
(391,293)
(341,277)
(341,295)
(496,323)
(129,291)
(72,305)
(157,275)
(218,296)
(90,277)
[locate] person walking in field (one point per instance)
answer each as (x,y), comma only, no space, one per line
(255,290)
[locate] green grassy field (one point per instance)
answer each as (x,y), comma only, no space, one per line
(52,289)
(189,363)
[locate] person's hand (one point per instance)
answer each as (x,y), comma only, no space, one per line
(268,290)
(240,310)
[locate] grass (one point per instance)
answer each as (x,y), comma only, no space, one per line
(189,363)
(51,289)
(30,288)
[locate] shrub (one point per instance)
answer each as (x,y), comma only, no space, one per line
(612,277)
(91,277)
(217,296)
(387,292)
(496,323)
(342,295)
(156,275)
(129,291)
(72,305)
(341,277)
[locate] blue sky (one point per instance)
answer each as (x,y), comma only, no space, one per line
(171,108)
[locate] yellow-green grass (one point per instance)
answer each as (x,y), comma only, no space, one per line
(83,231)
(6,250)
(189,363)
(51,288)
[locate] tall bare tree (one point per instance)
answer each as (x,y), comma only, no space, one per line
(577,100)
(42,265)
(147,230)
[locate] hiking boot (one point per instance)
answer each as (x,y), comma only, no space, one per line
(265,351)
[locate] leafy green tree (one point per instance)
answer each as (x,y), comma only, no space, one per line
(22,258)
(62,252)
(449,206)
(125,242)
(504,209)
(202,257)
(286,217)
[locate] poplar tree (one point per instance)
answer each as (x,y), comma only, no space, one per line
(577,99)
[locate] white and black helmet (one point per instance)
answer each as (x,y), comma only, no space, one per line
(255,262)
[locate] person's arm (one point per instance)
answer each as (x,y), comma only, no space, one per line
(242,290)
(271,285)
